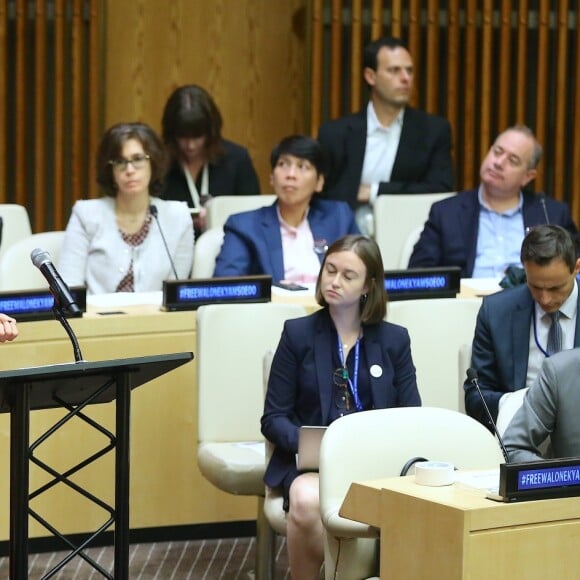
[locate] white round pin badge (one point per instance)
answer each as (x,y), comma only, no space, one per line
(376,371)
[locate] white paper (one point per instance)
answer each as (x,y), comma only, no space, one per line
(485,479)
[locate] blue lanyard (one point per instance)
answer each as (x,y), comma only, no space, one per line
(536,335)
(354,383)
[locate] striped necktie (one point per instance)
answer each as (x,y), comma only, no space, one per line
(554,334)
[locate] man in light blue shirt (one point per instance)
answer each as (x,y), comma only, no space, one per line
(481,230)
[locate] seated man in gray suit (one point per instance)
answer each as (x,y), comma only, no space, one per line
(514,329)
(388,147)
(550,409)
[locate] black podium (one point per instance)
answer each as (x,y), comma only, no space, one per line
(72,387)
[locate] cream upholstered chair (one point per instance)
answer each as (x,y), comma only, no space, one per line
(437,329)
(15,225)
(17,272)
(219,208)
(206,250)
(464,362)
(379,443)
(273,502)
(396,216)
(231,342)
(408,247)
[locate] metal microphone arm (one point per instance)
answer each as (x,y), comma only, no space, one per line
(472,378)
(59,315)
(154,213)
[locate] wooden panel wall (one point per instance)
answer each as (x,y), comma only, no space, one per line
(73,67)
(485,65)
(50,105)
(274,68)
(249,54)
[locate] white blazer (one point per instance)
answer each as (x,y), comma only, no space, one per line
(94,253)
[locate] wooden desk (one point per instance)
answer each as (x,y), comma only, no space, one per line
(452,533)
(167,488)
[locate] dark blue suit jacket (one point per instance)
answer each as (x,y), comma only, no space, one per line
(501,348)
(253,244)
(449,237)
(300,389)
(231,174)
(423,163)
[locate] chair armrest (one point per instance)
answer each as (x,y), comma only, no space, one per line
(341,527)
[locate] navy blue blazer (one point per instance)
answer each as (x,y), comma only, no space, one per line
(501,348)
(231,174)
(253,243)
(449,237)
(300,388)
(423,163)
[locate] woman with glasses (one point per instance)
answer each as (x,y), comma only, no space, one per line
(203,163)
(129,240)
(342,359)
(287,239)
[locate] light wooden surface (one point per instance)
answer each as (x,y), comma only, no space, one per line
(453,533)
(166,487)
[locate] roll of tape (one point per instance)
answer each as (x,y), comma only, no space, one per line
(434,473)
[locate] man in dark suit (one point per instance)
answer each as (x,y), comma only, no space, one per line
(482,230)
(514,327)
(387,147)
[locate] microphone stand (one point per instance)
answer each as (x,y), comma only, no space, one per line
(60,316)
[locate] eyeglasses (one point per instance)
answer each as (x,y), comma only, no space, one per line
(340,378)
(137,161)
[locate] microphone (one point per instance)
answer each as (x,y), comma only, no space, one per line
(542,197)
(472,378)
(154,213)
(62,295)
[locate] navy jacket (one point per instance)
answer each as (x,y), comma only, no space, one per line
(300,388)
(501,348)
(449,237)
(423,163)
(253,244)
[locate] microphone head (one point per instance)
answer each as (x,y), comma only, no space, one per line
(39,257)
(153,210)
(471,374)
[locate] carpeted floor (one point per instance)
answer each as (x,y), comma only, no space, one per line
(226,559)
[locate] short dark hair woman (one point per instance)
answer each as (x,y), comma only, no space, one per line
(287,240)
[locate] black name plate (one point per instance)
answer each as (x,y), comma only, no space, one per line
(551,478)
(423,283)
(27,305)
(191,294)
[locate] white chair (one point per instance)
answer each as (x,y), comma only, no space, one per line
(15,225)
(396,216)
(231,342)
(17,272)
(206,250)
(377,444)
(220,207)
(274,501)
(464,362)
(408,247)
(437,328)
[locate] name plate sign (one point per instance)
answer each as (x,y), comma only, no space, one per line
(191,294)
(27,305)
(423,283)
(539,479)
